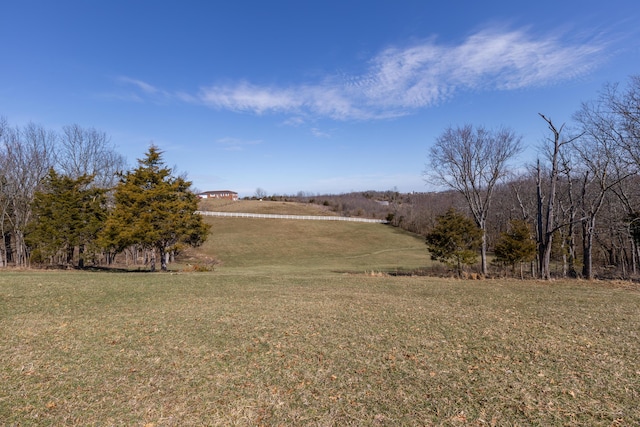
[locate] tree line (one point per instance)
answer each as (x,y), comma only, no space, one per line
(67,199)
(579,201)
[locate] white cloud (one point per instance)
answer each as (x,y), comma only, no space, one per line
(236,144)
(143,86)
(318,133)
(399,80)
(429,73)
(247,97)
(294,121)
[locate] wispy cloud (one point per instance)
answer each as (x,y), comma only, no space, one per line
(139,91)
(143,86)
(400,80)
(318,133)
(236,144)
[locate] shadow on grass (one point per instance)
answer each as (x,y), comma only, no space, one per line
(102,269)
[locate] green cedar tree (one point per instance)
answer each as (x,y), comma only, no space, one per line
(155,210)
(68,213)
(455,240)
(516,245)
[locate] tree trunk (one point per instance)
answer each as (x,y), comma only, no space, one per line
(3,249)
(545,238)
(483,251)
(634,259)
(588,227)
(153,260)
(81,256)
(571,243)
(163,259)
(21,250)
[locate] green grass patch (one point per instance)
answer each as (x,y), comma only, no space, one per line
(232,348)
(298,245)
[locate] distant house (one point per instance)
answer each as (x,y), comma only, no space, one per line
(222,194)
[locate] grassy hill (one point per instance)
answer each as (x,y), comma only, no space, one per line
(296,245)
(264,207)
(278,335)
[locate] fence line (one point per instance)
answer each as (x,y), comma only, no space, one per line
(278,216)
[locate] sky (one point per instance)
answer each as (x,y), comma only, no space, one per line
(321,97)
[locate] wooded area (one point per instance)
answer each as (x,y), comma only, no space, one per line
(65,198)
(580,199)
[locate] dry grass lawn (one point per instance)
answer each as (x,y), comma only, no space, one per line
(317,349)
(293,329)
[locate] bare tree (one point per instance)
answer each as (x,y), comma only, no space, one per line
(623,110)
(4,200)
(87,151)
(472,161)
(546,221)
(260,193)
(603,149)
(27,156)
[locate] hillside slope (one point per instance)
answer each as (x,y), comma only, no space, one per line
(294,245)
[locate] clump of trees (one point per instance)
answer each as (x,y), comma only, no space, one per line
(66,200)
(67,213)
(584,173)
(580,198)
(153,210)
(472,161)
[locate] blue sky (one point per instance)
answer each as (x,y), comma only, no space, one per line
(314,96)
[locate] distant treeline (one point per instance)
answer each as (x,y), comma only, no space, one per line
(580,199)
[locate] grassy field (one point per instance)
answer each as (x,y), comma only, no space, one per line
(295,245)
(264,207)
(281,334)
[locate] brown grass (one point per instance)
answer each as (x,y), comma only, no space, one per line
(280,334)
(264,207)
(314,349)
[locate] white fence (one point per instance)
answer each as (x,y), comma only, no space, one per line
(277,216)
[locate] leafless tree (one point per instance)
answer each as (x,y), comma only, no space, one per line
(4,200)
(603,168)
(610,153)
(472,161)
(27,157)
(623,112)
(260,193)
(567,213)
(87,151)
(546,196)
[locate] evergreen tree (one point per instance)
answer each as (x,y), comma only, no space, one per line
(155,210)
(516,245)
(68,213)
(454,240)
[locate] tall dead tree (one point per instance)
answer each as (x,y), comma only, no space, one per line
(547,223)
